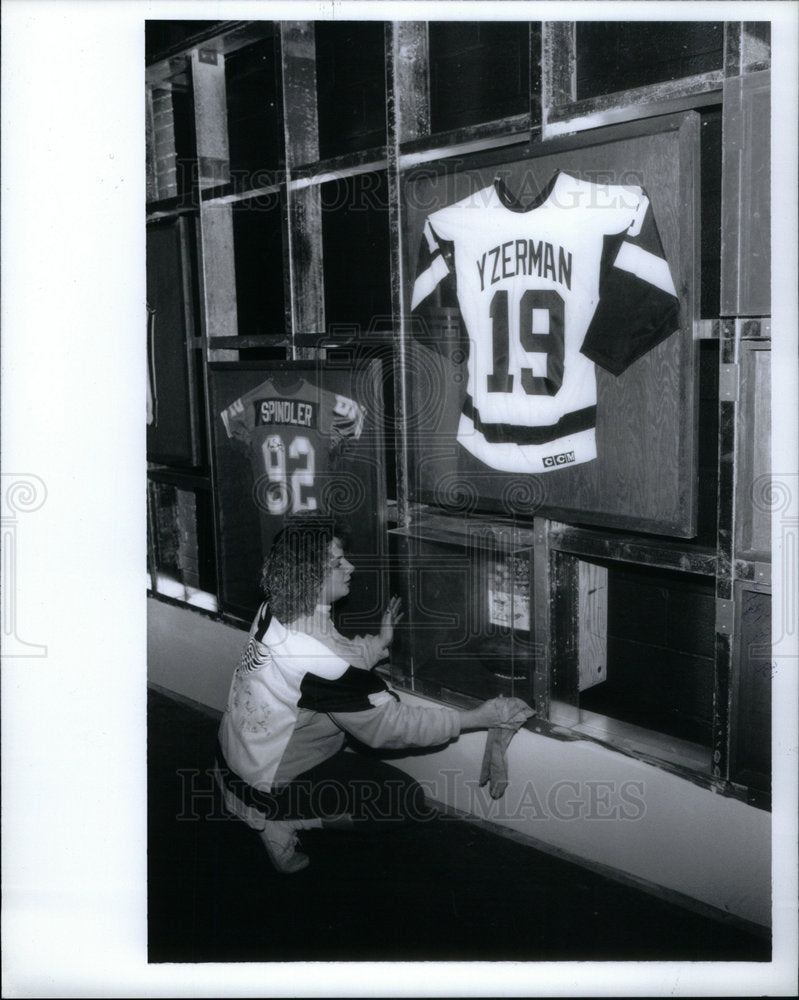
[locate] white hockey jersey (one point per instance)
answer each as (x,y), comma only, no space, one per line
(545,292)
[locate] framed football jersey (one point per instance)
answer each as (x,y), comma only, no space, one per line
(293,437)
(550,328)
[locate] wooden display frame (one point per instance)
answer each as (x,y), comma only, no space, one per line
(642,481)
(753,526)
(354,493)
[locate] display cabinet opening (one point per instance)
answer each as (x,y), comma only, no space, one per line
(634,658)
(180,542)
(253,120)
(621,55)
(258,256)
(479,71)
(350,77)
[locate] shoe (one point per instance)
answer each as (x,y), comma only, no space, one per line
(279,837)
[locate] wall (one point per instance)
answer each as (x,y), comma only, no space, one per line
(577,798)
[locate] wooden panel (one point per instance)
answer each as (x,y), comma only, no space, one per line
(754,453)
(746,194)
(593,624)
(655,552)
(725,538)
(219,271)
(708,445)
(747,47)
(218,280)
(210,112)
(558,65)
(407,118)
(563,609)
(162,181)
(409,93)
(645,477)
(676,96)
(298,71)
(542,618)
(304,275)
(305,272)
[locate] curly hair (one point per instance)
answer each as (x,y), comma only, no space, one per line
(295,568)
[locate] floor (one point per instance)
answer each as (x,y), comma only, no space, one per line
(446,890)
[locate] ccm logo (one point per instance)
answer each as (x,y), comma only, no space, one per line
(563,459)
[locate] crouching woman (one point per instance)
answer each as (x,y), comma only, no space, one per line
(303,696)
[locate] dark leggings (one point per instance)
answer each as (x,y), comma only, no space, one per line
(352,784)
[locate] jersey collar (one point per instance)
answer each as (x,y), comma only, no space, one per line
(511,201)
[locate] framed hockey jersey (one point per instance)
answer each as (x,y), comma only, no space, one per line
(291,438)
(551,316)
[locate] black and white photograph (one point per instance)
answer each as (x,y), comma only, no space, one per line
(400,499)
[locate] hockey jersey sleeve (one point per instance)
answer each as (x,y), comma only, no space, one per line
(435,286)
(435,277)
(362,704)
(638,305)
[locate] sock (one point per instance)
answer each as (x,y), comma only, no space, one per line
(494,769)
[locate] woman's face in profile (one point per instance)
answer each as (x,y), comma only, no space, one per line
(336,583)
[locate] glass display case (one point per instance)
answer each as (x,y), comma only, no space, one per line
(467,588)
(610,642)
